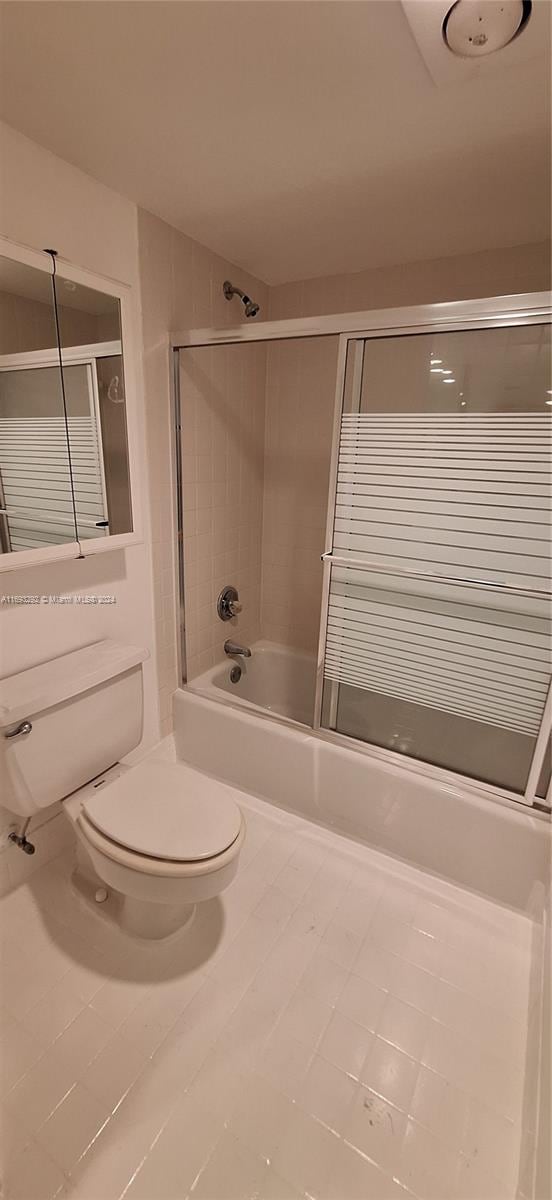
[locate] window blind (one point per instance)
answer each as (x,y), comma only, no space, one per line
(459,497)
(36,479)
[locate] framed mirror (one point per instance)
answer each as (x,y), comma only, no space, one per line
(67,446)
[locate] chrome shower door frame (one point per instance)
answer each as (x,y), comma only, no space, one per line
(495,312)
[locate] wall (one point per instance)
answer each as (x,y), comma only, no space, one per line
(222,392)
(504,272)
(29,325)
(300,399)
(50,203)
(181,286)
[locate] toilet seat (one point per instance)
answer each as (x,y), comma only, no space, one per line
(143,864)
(165,814)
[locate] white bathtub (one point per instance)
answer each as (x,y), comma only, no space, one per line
(483,846)
(275,679)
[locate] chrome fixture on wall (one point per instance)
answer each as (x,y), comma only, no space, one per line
(228,604)
(251,307)
(234,648)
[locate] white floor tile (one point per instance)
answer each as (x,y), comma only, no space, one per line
(327,1094)
(346,1044)
(336,1026)
(285,1062)
(306,1154)
(232,1173)
(19,1050)
(51,1016)
(113,1071)
(83,1039)
(261,1117)
(305,1018)
(492,1143)
(390,1073)
(354,1176)
(323,977)
(72,1127)
(426,1165)
(404,1026)
(34,1174)
(40,1091)
(362,1002)
(376,1128)
(440,1106)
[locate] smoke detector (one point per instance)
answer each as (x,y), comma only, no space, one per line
(461,41)
(474,28)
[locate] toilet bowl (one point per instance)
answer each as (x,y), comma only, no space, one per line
(162,836)
(159,836)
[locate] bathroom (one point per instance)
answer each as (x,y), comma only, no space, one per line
(336,984)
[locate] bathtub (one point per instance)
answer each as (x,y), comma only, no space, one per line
(443,828)
(275,679)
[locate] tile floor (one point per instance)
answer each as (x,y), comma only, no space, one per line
(337,1026)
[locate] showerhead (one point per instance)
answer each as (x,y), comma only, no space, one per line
(251,307)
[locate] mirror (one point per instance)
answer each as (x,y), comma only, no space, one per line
(36,506)
(64,460)
(93,373)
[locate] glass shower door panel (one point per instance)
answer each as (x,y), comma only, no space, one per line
(438,637)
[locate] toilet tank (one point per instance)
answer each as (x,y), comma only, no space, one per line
(85,710)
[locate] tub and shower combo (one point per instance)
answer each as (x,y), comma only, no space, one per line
(376,488)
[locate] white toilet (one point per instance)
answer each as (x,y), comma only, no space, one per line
(158,835)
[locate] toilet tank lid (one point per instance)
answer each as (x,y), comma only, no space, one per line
(42,687)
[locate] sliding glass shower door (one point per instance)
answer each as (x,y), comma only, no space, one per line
(436,636)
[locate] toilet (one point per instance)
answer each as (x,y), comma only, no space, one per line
(157,836)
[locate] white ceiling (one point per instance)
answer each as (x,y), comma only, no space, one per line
(294,138)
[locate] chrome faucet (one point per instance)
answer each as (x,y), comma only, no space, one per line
(233,648)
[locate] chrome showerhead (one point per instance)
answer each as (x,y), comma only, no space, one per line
(251,307)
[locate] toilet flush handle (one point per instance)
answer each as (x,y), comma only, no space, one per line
(24,727)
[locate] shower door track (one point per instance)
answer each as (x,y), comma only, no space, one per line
(494,312)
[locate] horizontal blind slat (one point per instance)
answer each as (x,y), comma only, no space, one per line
(464,495)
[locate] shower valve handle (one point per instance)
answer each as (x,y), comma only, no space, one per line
(228,604)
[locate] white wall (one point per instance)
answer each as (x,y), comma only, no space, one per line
(503,272)
(48,203)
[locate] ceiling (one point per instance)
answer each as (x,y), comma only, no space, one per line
(294,138)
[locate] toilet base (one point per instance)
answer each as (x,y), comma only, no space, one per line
(140,919)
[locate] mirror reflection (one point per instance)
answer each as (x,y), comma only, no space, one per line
(36,507)
(91,344)
(64,467)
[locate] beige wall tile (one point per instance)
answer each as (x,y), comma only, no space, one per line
(509,270)
(300,396)
(181,287)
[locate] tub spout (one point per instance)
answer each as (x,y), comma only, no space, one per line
(234,649)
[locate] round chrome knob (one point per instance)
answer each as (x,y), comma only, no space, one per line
(228,604)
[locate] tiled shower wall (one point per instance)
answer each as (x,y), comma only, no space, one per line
(503,272)
(300,398)
(181,288)
(222,395)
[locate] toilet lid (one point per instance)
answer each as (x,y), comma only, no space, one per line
(167,811)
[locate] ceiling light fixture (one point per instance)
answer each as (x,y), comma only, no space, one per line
(473,28)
